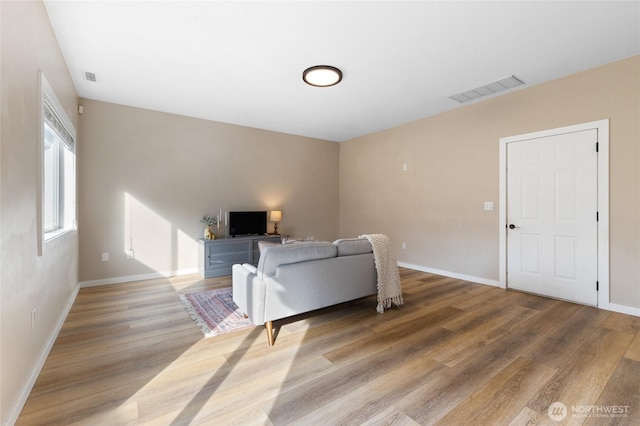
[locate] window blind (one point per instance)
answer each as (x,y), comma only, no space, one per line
(55,123)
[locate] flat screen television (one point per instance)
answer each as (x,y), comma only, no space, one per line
(247,223)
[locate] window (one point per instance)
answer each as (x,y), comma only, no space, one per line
(58,182)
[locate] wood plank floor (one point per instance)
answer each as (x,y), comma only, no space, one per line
(456,353)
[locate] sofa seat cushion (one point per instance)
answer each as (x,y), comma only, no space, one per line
(285,254)
(353,246)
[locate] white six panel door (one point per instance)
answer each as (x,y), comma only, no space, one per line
(552,199)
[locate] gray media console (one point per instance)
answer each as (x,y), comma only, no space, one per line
(216,257)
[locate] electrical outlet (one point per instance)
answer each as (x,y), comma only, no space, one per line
(310,238)
(105,256)
(488,205)
(129,254)
(404,246)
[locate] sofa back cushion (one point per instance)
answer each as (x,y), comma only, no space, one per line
(262,244)
(274,256)
(352,246)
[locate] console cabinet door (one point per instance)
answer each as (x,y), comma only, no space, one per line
(220,257)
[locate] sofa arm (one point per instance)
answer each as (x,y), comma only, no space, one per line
(251,268)
(249,292)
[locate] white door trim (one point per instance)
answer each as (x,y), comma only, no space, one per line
(602,127)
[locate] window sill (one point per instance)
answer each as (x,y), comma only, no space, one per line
(53,238)
(48,236)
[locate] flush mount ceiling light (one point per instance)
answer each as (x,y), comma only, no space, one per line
(322,76)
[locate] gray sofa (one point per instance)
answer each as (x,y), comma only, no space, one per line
(291,279)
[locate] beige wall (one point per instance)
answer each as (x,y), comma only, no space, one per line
(436,207)
(146,178)
(46,283)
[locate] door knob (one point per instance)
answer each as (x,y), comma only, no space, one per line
(512,226)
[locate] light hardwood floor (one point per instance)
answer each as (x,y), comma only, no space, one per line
(456,353)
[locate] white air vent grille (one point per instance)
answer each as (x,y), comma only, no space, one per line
(89,76)
(488,89)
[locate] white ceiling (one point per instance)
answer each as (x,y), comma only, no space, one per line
(242,62)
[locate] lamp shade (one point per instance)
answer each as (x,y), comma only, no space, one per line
(275,215)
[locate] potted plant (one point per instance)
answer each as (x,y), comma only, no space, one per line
(209,221)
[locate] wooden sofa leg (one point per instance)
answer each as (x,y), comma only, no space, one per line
(269,326)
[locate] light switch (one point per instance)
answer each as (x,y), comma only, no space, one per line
(488,205)
(105,256)
(405,167)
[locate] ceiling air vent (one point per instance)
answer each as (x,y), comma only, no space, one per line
(89,76)
(488,89)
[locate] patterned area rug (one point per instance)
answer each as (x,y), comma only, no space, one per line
(215,312)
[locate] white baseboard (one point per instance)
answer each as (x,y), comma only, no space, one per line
(628,310)
(450,274)
(622,309)
(139,277)
(19,405)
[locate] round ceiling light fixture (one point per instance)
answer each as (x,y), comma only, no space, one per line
(322,76)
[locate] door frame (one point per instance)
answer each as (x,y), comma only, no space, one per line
(602,127)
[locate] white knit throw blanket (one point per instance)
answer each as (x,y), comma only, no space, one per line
(389,288)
